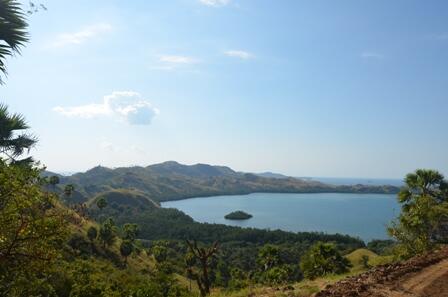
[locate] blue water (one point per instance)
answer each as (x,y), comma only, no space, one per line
(361,215)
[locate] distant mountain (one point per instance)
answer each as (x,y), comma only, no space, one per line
(197,171)
(272,175)
(171,180)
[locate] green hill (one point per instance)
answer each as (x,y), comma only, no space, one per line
(122,197)
(356,258)
(171,181)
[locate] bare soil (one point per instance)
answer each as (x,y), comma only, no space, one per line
(422,276)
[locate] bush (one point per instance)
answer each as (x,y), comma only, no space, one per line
(322,259)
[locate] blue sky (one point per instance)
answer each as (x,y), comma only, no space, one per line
(306,88)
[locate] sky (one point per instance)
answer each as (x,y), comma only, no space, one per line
(301,87)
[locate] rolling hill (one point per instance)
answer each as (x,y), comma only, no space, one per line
(173,181)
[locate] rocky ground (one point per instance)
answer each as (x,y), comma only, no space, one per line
(422,276)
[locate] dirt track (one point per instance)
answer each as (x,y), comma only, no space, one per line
(423,276)
(429,282)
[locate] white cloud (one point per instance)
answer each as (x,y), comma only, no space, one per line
(372,55)
(177,60)
(215,3)
(239,54)
(82,35)
(173,62)
(108,146)
(124,105)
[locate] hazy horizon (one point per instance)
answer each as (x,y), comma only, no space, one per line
(309,88)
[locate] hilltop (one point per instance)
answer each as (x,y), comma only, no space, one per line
(172,181)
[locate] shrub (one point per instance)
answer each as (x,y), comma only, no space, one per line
(322,259)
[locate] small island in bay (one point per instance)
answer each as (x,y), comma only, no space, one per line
(238,215)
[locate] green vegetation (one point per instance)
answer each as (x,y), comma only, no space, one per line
(238,215)
(58,238)
(203,256)
(33,227)
(173,181)
(362,259)
(12,144)
(323,259)
(382,247)
(423,221)
(13,33)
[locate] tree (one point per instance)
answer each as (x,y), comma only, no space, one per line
(322,259)
(13,33)
(92,233)
(268,257)
(53,181)
(424,214)
(160,253)
(190,261)
(12,144)
(33,226)
(130,231)
(126,248)
(365,261)
(107,232)
(204,256)
(68,190)
(101,203)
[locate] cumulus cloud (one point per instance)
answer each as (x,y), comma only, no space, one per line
(82,35)
(372,55)
(125,105)
(215,3)
(239,54)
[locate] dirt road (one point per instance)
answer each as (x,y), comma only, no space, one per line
(432,281)
(423,276)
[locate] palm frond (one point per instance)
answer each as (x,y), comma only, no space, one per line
(13,34)
(12,144)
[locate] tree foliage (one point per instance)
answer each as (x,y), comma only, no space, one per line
(130,231)
(126,249)
(92,233)
(13,144)
(101,203)
(13,31)
(108,232)
(33,226)
(424,214)
(322,259)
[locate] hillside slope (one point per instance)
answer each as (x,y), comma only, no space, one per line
(171,181)
(424,275)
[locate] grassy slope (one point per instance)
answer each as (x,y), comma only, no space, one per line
(136,264)
(124,197)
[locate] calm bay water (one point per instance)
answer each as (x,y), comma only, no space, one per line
(362,215)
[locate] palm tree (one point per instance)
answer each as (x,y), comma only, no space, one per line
(423,182)
(424,217)
(13,34)
(13,144)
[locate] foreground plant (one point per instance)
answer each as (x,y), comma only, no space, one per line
(423,221)
(33,227)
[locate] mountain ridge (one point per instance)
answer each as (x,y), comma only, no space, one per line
(173,181)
